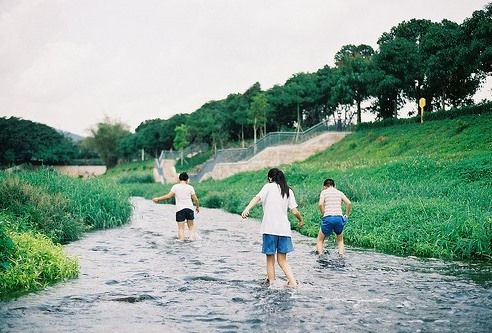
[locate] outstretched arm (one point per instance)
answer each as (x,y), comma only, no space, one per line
(251,204)
(164,197)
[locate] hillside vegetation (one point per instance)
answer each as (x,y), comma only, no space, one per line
(417,189)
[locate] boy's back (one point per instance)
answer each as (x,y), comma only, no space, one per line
(182,194)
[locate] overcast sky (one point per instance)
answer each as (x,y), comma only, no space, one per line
(70,63)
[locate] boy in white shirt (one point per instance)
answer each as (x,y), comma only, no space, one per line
(184,194)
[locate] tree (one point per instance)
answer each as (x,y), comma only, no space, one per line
(25,141)
(181,139)
(449,78)
(209,124)
(127,148)
(246,100)
(385,88)
(324,104)
(353,75)
(104,138)
(257,113)
(294,99)
(400,61)
(478,34)
(280,116)
(236,107)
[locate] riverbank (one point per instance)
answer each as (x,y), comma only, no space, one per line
(417,189)
(39,211)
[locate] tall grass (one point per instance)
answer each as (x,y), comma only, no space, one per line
(41,210)
(62,207)
(135,179)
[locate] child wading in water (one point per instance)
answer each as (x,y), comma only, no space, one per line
(184,194)
(330,206)
(277,198)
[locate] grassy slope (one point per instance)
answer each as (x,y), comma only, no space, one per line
(418,189)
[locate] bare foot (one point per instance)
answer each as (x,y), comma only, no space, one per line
(268,283)
(292,285)
(195,237)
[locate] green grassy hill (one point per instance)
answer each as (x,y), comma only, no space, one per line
(417,189)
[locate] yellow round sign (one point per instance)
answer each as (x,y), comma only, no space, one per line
(422,102)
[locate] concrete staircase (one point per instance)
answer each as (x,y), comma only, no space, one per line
(274,150)
(269,157)
(276,156)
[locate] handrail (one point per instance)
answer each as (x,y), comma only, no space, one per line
(272,139)
(232,155)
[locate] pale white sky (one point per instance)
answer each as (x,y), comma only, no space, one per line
(70,63)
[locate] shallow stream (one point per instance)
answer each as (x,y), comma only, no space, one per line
(140,278)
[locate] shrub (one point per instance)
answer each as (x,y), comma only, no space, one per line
(6,245)
(136,179)
(35,262)
(212,200)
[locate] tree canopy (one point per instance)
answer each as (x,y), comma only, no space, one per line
(25,141)
(104,140)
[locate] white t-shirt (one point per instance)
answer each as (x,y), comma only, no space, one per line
(275,209)
(182,195)
(332,201)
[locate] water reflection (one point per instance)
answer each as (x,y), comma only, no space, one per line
(140,278)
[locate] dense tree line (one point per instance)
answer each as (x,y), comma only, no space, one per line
(444,62)
(25,141)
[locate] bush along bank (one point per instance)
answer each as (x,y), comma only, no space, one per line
(42,210)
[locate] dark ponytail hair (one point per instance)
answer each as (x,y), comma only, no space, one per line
(278,177)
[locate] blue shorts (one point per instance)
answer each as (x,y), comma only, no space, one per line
(273,244)
(332,223)
(185,214)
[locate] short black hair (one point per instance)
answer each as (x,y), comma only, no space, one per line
(183,176)
(329,182)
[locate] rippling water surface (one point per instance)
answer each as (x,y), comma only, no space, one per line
(140,278)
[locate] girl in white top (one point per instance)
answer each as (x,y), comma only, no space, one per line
(277,198)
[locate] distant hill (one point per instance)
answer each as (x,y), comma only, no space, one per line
(72,136)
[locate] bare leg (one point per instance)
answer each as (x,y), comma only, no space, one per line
(341,247)
(270,260)
(319,242)
(282,262)
(181,230)
(191,227)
